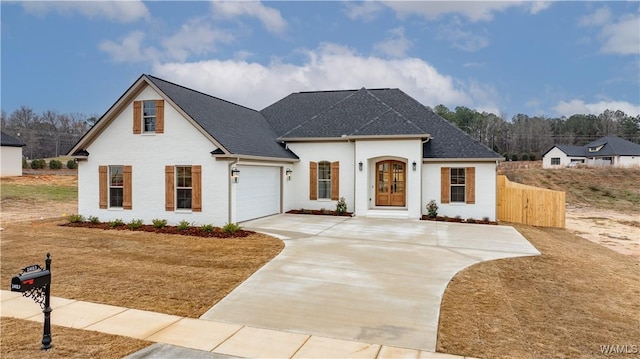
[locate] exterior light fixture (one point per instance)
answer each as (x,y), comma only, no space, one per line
(360,165)
(414,165)
(288,172)
(235,174)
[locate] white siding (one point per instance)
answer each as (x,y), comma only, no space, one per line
(370,152)
(485,187)
(316,152)
(628,161)
(564,159)
(11,161)
(181,144)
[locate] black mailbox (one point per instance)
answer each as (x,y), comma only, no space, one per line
(24,282)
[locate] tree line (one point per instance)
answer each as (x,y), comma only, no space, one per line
(526,137)
(51,134)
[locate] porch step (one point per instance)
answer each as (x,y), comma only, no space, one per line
(387,213)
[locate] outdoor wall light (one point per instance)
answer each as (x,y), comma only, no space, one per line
(360,165)
(288,172)
(235,174)
(414,165)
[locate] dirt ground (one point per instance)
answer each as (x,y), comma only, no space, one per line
(614,230)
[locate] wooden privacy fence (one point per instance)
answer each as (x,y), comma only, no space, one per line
(529,205)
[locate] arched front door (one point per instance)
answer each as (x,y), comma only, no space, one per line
(391,183)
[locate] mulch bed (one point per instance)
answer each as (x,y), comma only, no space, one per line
(192,231)
(320,212)
(457,220)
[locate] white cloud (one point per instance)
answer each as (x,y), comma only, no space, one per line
(270,17)
(130,49)
(618,36)
(472,10)
(575,106)
(464,40)
(120,11)
(363,10)
(599,17)
(195,37)
(622,37)
(329,67)
(396,44)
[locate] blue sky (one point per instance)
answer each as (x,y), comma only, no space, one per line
(537,58)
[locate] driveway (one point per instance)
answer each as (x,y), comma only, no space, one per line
(362,279)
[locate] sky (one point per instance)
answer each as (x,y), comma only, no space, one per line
(539,58)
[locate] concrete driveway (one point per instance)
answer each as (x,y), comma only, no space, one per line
(362,279)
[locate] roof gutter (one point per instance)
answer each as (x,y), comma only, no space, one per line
(254,158)
(435,160)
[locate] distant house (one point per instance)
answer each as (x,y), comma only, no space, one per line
(606,151)
(10,156)
(166,151)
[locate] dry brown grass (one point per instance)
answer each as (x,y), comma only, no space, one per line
(21,339)
(170,274)
(565,303)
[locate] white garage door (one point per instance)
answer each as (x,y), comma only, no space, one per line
(258,192)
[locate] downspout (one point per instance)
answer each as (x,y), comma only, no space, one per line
(231,164)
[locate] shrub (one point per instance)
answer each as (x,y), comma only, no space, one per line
(94,219)
(532,157)
(184,225)
(514,157)
(341,206)
(485,219)
(24,163)
(55,164)
(525,157)
(159,223)
(116,223)
(135,223)
(471,220)
(76,218)
(72,165)
(38,164)
(231,228)
(432,209)
(207,227)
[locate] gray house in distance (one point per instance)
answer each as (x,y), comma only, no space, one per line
(606,151)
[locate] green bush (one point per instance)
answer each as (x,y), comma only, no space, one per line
(72,165)
(207,227)
(94,219)
(116,223)
(532,157)
(135,224)
(159,223)
(76,218)
(432,209)
(24,163)
(38,164)
(184,225)
(341,206)
(514,157)
(55,164)
(525,157)
(231,228)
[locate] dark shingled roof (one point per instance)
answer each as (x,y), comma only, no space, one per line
(239,129)
(613,146)
(369,113)
(570,150)
(6,140)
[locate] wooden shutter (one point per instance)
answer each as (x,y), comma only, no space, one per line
(196,188)
(169,188)
(103,177)
(137,117)
(313,181)
(335,181)
(126,192)
(470,185)
(159,116)
(445,185)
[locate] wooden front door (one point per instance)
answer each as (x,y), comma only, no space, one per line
(391,183)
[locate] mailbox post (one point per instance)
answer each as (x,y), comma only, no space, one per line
(35,282)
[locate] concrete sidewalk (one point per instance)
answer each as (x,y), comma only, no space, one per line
(197,338)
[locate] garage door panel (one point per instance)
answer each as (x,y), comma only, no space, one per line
(257,192)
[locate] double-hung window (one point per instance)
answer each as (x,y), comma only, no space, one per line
(324,180)
(116,186)
(555,161)
(184,187)
(149,115)
(458,185)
